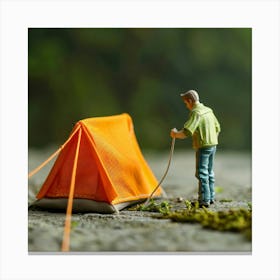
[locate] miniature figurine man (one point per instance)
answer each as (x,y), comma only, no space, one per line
(204,128)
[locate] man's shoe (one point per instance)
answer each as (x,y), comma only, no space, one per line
(200,204)
(204,204)
(212,201)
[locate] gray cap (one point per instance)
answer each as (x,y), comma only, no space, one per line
(192,94)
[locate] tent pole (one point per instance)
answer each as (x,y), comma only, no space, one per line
(67,226)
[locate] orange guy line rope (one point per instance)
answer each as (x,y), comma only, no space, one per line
(30,174)
(67,226)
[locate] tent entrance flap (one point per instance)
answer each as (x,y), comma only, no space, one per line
(89,183)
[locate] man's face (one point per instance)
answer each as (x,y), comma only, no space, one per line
(188,103)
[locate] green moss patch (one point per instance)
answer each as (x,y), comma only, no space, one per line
(234,220)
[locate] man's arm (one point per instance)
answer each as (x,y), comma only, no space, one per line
(189,127)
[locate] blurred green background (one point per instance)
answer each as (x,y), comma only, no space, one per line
(77,73)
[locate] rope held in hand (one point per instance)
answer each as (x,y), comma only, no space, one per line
(165,173)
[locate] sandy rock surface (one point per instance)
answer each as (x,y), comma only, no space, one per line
(141,232)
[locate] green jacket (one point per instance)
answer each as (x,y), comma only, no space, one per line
(203,126)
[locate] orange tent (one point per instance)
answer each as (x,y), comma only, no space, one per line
(102,165)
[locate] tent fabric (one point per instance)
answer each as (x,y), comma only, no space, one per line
(111,171)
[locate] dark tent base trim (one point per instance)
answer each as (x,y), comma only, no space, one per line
(80,205)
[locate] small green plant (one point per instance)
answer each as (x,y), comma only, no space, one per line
(162,207)
(188,204)
(219,189)
(165,208)
(225,200)
(74,224)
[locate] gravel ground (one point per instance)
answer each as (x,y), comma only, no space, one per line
(141,232)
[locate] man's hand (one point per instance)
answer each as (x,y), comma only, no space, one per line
(173,132)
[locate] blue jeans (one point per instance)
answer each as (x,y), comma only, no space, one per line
(205,174)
